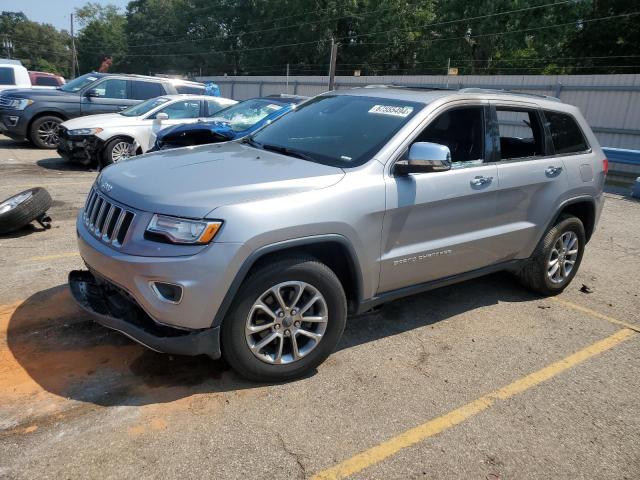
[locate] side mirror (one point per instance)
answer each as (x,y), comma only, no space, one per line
(92,93)
(162,116)
(425,157)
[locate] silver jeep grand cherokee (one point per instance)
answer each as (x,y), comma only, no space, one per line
(258,249)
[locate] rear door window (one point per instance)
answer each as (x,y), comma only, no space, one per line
(145,90)
(6,76)
(213,106)
(566,135)
(521,133)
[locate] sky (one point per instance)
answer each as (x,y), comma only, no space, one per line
(55,12)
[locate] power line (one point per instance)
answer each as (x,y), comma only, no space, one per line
(269,47)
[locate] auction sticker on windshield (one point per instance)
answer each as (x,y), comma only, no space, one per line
(392,110)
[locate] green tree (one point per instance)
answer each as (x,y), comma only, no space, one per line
(102,33)
(39,46)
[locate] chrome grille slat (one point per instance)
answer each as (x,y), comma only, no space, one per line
(100,214)
(100,218)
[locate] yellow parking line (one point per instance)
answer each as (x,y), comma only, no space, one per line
(433,427)
(55,256)
(593,313)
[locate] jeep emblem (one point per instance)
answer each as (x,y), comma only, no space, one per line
(106,187)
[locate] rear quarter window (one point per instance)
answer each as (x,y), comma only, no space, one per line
(47,81)
(566,135)
(6,76)
(190,89)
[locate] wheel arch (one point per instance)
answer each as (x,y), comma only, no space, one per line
(584,208)
(333,250)
(44,113)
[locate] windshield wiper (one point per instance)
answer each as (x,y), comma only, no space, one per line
(292,152)
(250,141)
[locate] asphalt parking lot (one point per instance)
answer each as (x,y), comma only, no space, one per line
(478,380)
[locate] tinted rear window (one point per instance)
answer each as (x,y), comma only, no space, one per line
(565,133)
(6,76)
(47,81)
(190,89)
(145,90)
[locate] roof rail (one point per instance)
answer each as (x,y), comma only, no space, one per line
(507,92)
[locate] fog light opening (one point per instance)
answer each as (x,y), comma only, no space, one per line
(167,292)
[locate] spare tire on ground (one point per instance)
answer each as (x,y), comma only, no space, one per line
(21,209)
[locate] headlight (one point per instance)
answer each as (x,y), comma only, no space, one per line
(84,131)
(19,103)
(180,230)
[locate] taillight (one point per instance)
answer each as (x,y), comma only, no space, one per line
(605,166)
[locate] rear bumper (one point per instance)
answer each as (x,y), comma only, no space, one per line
(113,308)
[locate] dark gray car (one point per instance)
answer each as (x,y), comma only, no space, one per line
(34,114)
(258,249)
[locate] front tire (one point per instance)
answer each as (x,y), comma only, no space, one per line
(287,318)
(116,150)
(44,132)
(556,259)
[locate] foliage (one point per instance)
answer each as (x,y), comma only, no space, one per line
(39,46)
(102,33)
(391,37)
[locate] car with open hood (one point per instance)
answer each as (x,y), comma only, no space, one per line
(235,122)
(110,137)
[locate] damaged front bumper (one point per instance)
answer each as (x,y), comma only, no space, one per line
(116,309)
(84,150)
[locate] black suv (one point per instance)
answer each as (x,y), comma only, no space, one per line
(34,114)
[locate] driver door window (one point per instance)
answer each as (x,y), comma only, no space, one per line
(113,88)
(182,110)
(462,131)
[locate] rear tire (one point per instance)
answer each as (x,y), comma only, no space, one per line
(44,132)
(279,359)
(36,203)
(556,259)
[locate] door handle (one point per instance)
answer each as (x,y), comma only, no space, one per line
(122,107)
(480,181)
(552,171)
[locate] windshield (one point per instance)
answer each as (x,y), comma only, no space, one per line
(79,83)
(246,114)
(144,107)
(339,130)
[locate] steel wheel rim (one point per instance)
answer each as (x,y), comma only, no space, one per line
(286,323)
(48,133)
(120,151)
(563,257)
(13,202)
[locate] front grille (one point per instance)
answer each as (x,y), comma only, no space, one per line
(105,220)
(5,101)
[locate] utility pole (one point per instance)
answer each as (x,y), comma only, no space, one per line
(73,51)
(8,45)
(332,64)
(287,87)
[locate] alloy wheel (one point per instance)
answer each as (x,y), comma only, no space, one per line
(48,133)
(563,257)
(120,151)
(286,322)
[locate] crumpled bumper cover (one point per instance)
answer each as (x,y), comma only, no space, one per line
(114,309)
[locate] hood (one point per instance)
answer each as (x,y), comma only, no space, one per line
(103,120)
(175,131)
(43,93)
(193,181)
